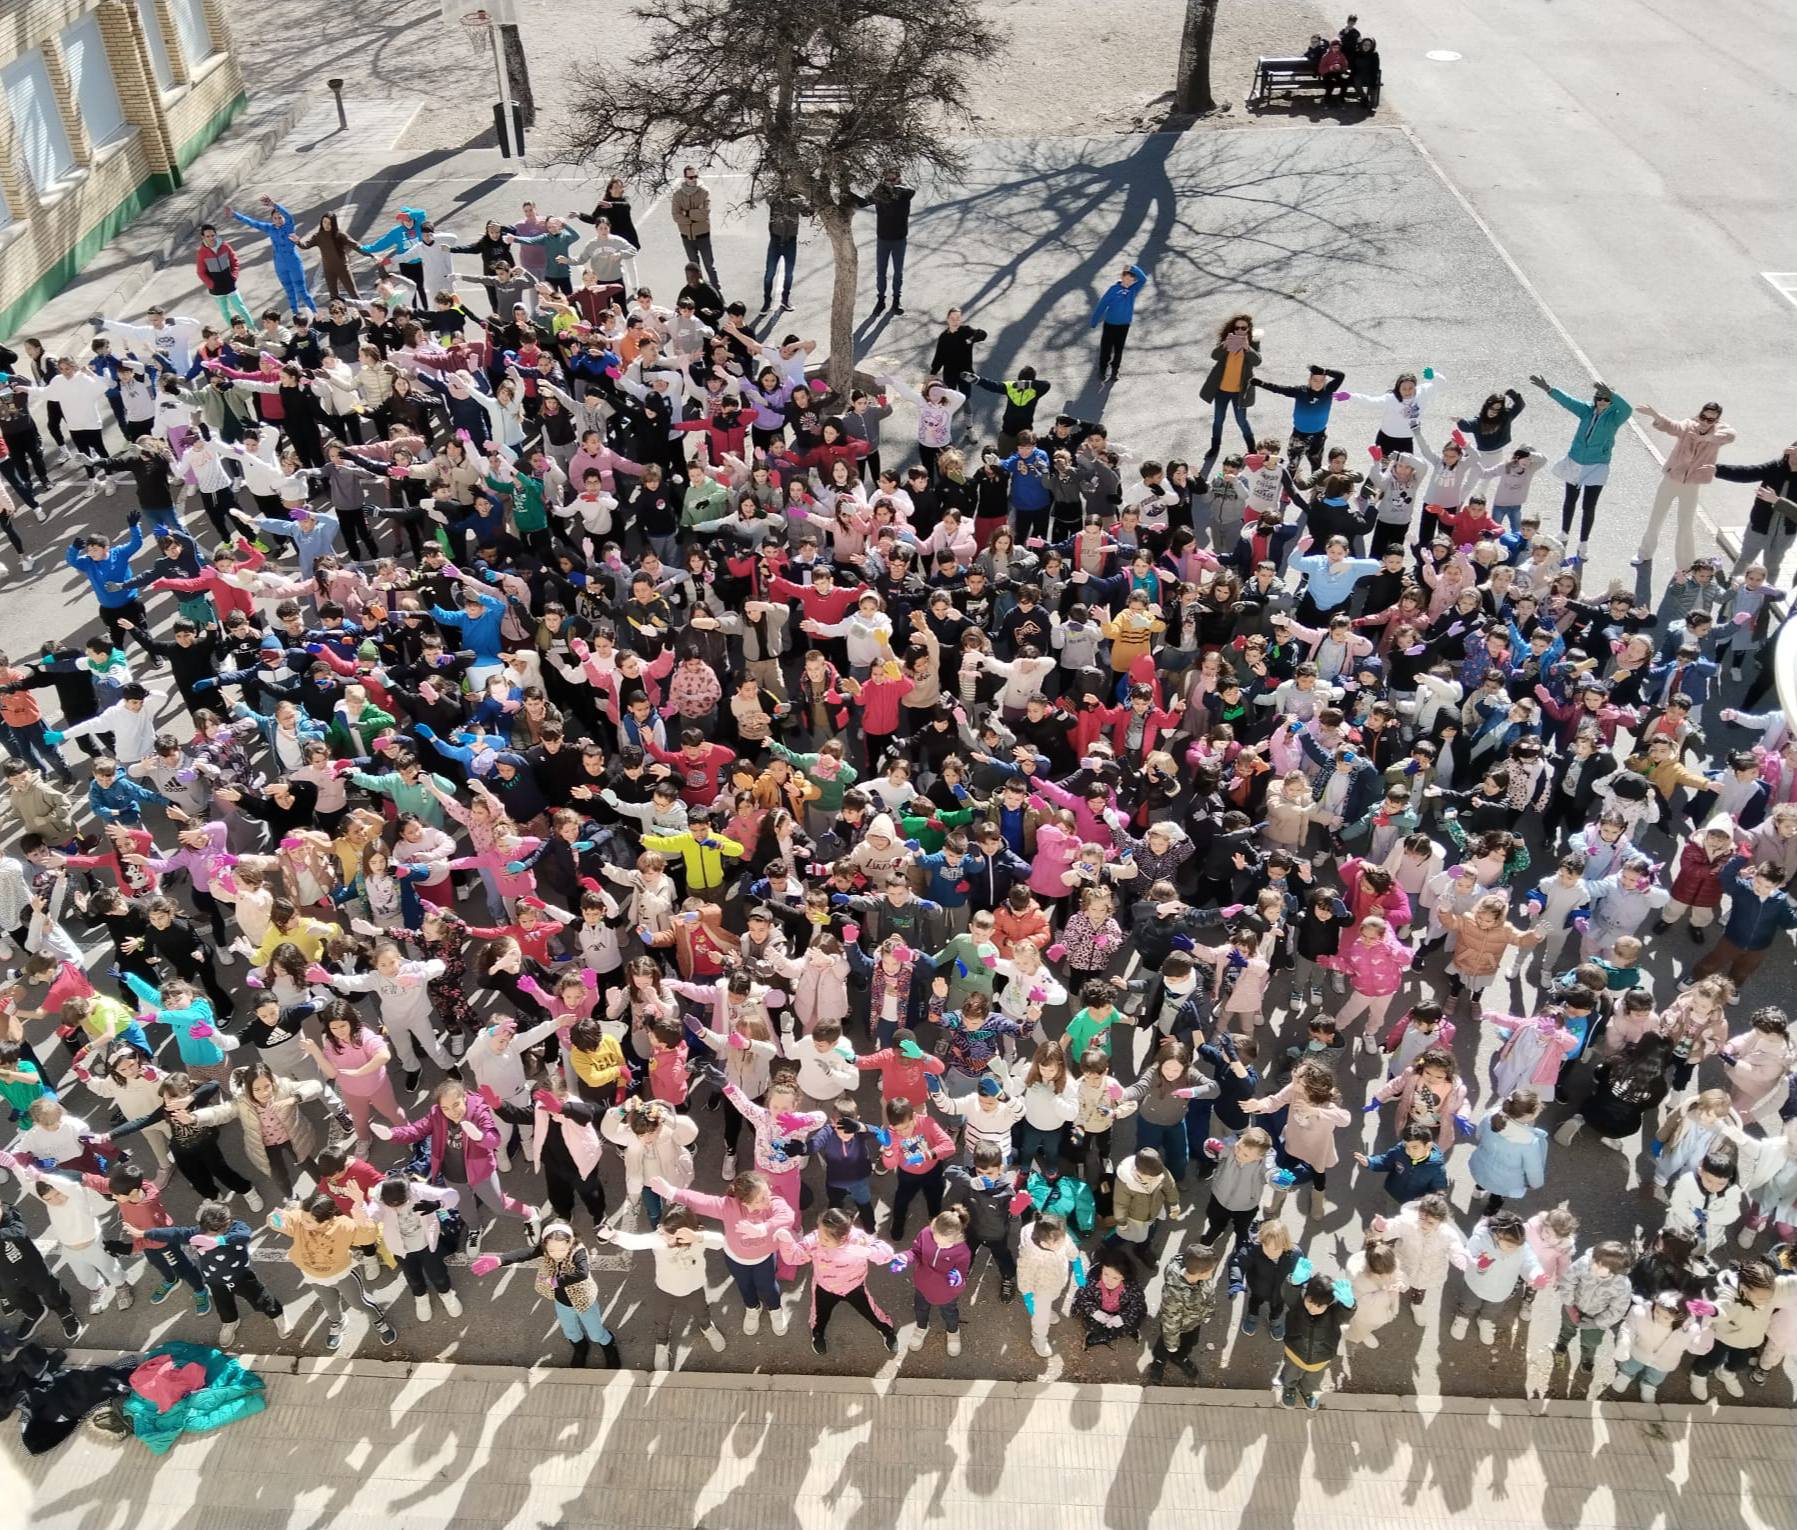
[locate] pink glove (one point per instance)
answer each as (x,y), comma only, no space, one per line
(1185,1094)
(1018,1203)
(254,979)
(1055,952)
(485,1264)
(201,1031)
(547,1101)
(791,1121)
(1698,1307)
(293,842)
(204,1242)
(990,961)
(317,974)
(1483,1261)
(737,1042)
(851,932)
(1377,453)
(1213,1146)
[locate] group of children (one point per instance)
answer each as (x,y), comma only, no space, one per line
(1056,857)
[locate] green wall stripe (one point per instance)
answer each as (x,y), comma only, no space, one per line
(152,188)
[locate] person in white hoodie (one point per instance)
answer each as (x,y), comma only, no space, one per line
(131,721)
(1048,1261)
(407,1213)
(1707,1201)
(1428,1245)
(867,630)
(1748,1297)
(76,1210)
(826,1062)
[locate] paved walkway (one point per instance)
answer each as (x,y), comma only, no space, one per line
(364,1445)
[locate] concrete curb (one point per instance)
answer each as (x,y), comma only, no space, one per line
(401,1373)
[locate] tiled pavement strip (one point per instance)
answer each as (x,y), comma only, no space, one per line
(368,1445)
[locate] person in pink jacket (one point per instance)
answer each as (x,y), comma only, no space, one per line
(1370,889)
(464,1149)
(1057,847)
(1532,1051)
(840,1253)
(1314,1114)
(1088,809)
(754,1223)
(1429,1093)
(1375,962)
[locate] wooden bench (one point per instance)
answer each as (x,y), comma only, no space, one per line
(1291,76)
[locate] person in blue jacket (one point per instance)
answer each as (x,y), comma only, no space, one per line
(1311,402)
(107,569)
(479,618)
(1116,310)
(290,271)
(1759,911)
(1413,1168)
(407,226)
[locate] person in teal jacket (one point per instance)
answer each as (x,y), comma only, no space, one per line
(407,226)
(1116,311)
(289,269)
(1586,466)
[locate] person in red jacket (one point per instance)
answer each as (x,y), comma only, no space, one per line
(823,600)
(916,1145)
(216,265)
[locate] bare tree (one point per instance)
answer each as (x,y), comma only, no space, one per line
(813,99)
(1192,90)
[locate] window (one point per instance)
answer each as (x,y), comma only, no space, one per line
(42,136)
(159,59)
(90,76)
(194,31)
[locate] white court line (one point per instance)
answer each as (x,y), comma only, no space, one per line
(1728,541)
(1784,283)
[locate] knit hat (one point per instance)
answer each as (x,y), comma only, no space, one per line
(990,1085)
(269,640)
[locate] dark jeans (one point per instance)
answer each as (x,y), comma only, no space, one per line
(1111,340)
(779,250)
(1002,1256)
(1570,501)
(26,742)
(1168,1141)
(920,1309)
(860,1193)
(889,252)
(1220,406)
(698,249)
(927,1184)
(424,1270)
(172,1263)
(1035,1144)
(204,1167)
(563,1190)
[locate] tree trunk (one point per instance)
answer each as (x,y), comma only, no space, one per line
(1192,93)
(846,260)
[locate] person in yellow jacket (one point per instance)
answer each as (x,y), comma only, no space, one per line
(324,1240)
(701,847)
(1132,631)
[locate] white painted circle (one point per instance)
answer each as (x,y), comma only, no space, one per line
(1442,56)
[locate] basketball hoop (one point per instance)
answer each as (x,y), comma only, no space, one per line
(477,25)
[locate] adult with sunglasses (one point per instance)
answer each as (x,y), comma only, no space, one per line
(1689,466)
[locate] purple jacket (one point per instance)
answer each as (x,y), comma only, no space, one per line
(931,1267)
(479,1154)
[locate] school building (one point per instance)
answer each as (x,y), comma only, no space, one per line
(106,103)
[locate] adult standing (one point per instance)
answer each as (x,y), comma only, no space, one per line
(1690,465)
(692,217)
(783,215)
(1585,468)
(1774,515)
(1116,311)
(952,360)
(1230,382)
(217,265)
(290,270)
(891,202)
(614,209)
(533,259)
(334,248)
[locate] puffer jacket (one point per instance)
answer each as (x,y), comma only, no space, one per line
(1602,1299)
(1136,1198)
(1374,970)
(1738,1323)
(288,1097)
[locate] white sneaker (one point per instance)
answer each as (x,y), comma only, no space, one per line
(1042,1348)
(1487,1331)
(1700,1388)
(1649,1394)
(103,1299)
(663,1358)
(777,1320)
(752,1320)
(1415,1309)
(253,1199)
(27,563)
(284,1323)
(729,1167)
(1620,1383)
(918,1338)
(126,1296)
(505,1162)
(227,1335)
(421,1308)
(1731,1383)
(714,1338)
(1457,1329)
(954,1344)
(1746,1236)
(1371,1341)
(3,570)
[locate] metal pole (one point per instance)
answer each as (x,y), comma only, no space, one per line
(336,89)
(506,124)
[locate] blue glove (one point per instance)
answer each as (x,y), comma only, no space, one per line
(1283,1178)
(1079,1272)
(51,736)
(955,1280)
(313,647)
(1029,1302)
(838,900)
(933,1083)
(959,791)
(583,845)
(883,1136)
(205,683)
(423,730)
(514,868)
(1462,1125)
(912,844)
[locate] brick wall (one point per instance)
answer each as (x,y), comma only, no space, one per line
(53,235)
